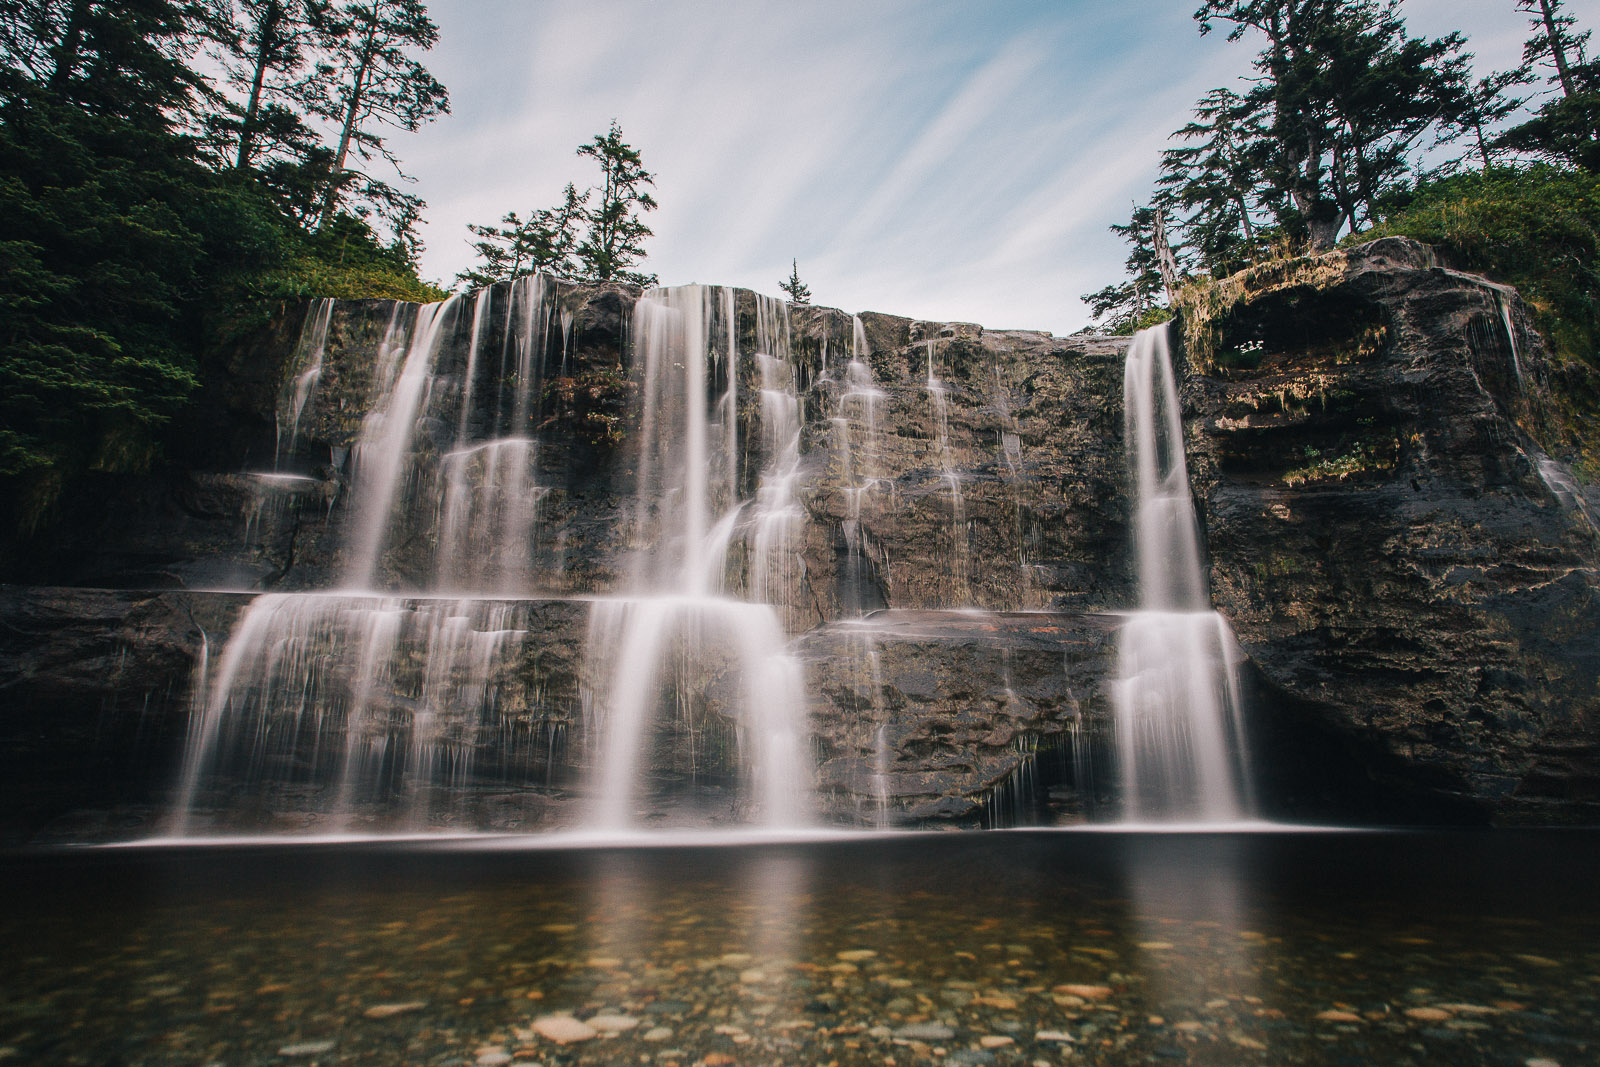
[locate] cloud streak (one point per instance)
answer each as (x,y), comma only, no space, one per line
(929,157)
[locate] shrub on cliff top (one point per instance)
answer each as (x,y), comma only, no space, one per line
(1536,228)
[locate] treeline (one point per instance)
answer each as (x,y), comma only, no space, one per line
(168,170)
(1347,125)
(596,235)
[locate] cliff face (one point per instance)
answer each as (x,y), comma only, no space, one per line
(1412,581)
(1408,570)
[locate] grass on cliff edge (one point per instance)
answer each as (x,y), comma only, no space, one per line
(1537,228)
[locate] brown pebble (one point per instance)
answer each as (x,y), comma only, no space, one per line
(1428,1015)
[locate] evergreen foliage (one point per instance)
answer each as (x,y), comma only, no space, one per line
(145,213)
(1328,137)
(612,242)
(1566,128)
(615,240)
(367,81)
(799,292)
(547,241)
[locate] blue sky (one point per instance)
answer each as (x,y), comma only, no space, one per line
(945,159)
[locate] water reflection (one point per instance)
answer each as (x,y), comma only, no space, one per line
(965,949)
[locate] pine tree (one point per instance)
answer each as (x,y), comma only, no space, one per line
(615,238)
(1128,305)
(1213,178)
(367,82)
(265,54)
(1344,97)
(799,292)
(546,242)
(1567,127)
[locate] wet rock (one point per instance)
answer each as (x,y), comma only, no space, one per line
(385,1011)
(563,1029)
(925,1032)
(307,1048)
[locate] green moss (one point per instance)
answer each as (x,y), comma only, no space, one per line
(1373,455)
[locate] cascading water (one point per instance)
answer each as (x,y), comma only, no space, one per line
(363,703)
(372,706)
(678,625)
(959,552)
(1178,721)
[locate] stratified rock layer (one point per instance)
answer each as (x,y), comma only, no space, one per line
(1386,547)
(1412,579)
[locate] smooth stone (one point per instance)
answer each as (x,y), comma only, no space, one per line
(752,977)
(496,1058)
(969,1058)
(996,1041)
(385,1011)
(856,955)
(1332,1016)
(658,1033)
(925,1032)
(1087,992)
(307,1048)
(1054,1035)
(562,1029)
(1428,1015)
(608,1023)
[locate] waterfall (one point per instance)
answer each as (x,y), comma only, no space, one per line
(650,650)
(309,353)
(365,701)
(375,703)
(1178,718)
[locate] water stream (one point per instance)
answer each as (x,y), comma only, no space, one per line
(1179,723)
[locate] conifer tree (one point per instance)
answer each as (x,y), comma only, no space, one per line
(368,81)
(799,292)
(265,55)
(1130,304)
(1567,127)
(1213,178)
(546,242)
(614,241)
(1344,96)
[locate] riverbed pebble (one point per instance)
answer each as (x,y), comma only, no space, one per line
(307,1048)
(562,1029)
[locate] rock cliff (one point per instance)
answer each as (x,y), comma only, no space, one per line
(1412,579)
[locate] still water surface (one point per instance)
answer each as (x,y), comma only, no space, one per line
(961,949)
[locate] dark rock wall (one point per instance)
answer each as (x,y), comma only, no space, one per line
(1386,549)
(1416,598)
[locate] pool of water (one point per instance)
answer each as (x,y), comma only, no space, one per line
(1027,947)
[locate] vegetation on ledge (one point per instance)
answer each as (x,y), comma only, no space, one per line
(1535,228)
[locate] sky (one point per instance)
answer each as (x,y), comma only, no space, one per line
(955,160)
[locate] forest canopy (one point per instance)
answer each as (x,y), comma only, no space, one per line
(165,182)
(1347,127)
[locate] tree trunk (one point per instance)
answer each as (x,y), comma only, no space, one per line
(1557,53)
(352,110)
(1165,259)
(265,51)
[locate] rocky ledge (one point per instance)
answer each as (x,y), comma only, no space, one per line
(1392,531)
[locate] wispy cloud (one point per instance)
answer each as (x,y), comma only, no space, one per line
(930,157)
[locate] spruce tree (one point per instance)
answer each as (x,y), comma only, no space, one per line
(546,242)
(799,292)
(614,241)
(369,81)
(1344,96)
(1567,127)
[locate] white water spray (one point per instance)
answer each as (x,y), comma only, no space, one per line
(1179,726)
